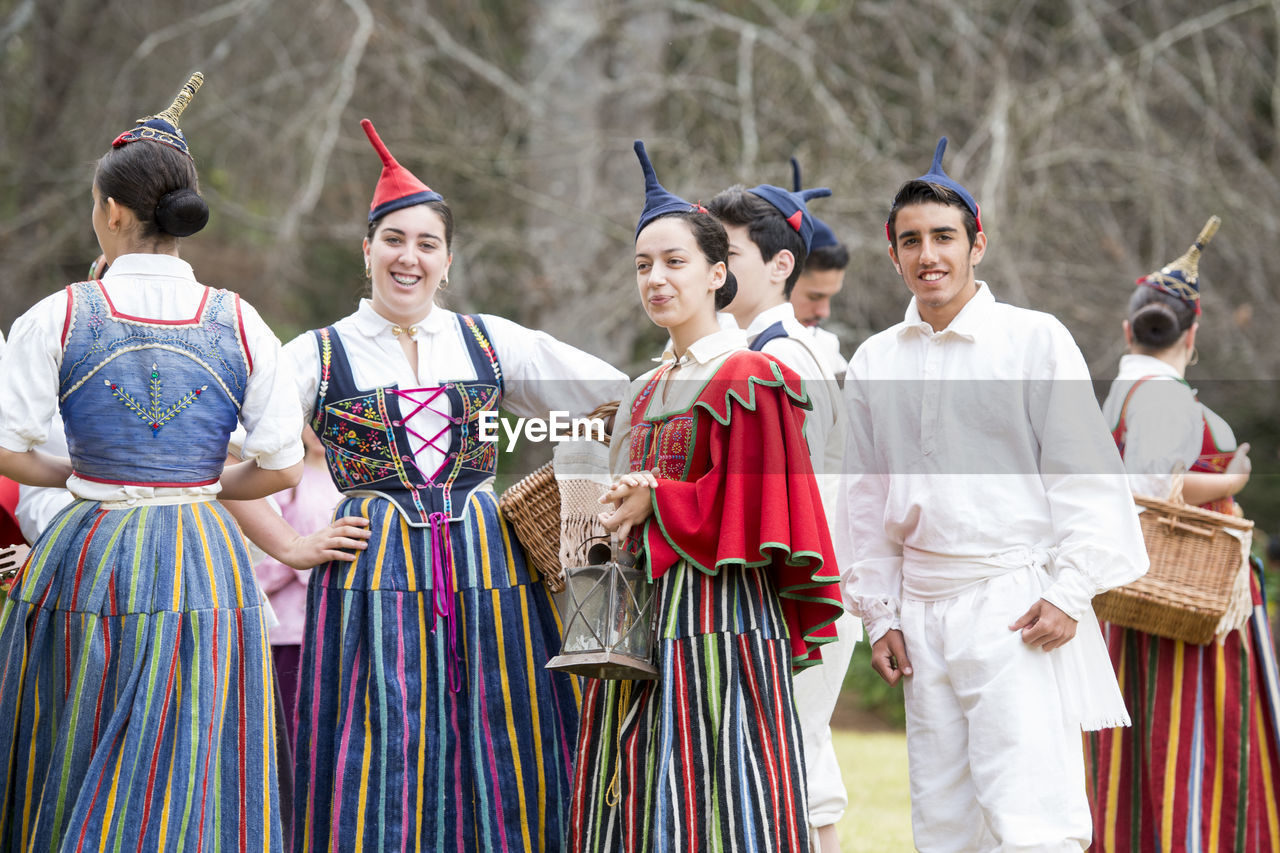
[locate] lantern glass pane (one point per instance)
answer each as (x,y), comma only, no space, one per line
(588,589)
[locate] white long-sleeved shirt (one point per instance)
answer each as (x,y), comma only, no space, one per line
(540,373)
(973,444)
(1164,423)
(160,287)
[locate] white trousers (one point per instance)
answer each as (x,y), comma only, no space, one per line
(816,691)
(995,763)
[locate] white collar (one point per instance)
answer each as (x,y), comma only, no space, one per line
(149,264)
(784,313)
(967,324)
(709,347)
(1136,366)
(372,324)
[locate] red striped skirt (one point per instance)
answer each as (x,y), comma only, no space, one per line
(708,756)
(1199,769)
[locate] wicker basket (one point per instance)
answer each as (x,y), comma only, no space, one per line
(533,508)
(1193,585)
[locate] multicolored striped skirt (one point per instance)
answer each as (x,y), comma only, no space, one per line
(708,756)
(1200,768)
(136,708)
(418,731)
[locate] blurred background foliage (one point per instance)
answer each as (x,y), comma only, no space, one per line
(1098,135)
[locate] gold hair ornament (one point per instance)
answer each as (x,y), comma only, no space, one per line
(1181,277)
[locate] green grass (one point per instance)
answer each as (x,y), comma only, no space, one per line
(874,765)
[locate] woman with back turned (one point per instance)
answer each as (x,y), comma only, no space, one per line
(135,676)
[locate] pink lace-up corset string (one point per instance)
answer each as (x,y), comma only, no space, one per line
(431,395)
(441,548)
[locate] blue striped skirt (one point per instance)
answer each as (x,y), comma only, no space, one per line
(136,708)
(421,732)
(708,756)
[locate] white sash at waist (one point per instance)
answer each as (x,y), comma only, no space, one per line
(1082,667)
(930,576)
(157,500)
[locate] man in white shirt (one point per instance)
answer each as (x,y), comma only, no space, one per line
(985,505)
(770,230)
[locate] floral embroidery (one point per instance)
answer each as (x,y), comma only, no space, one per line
(662,447)
(154,415)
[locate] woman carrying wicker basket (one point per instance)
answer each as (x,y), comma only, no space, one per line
(1200,768)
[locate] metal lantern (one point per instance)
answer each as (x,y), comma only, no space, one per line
(609,632)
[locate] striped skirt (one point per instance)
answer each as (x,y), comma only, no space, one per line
(421,732)
(1200,768)
(135,688)
(708,756)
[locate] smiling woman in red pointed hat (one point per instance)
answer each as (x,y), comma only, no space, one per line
(135,683)
(425,717)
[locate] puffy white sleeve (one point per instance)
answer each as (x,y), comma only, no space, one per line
(29,374)
(303,357)
(871,560)
(542,374)
(273,426)
(37,505)
(1099,542)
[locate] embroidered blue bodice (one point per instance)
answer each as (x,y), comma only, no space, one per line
(150,402)
(368,446)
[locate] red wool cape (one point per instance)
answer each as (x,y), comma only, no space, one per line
(749,497)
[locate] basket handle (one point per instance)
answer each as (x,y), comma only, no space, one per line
(1178,524)
(1176,484)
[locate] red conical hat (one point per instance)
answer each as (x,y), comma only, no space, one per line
(397,186)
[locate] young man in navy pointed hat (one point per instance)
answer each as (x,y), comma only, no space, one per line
(983,507)
(770,232)
(819,283)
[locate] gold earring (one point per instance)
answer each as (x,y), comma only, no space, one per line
(444,283)
(1195,357)
(367,272)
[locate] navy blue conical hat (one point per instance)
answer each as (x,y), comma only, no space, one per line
(822,233)
(1181,279)
(793,207)
(936,175)
(163,126)
(658,200)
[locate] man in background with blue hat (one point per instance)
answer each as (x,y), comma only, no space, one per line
(819,283)
(983,507)
(770,231)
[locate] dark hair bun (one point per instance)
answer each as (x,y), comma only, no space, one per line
(1155,325)
(726,291)
(181,212)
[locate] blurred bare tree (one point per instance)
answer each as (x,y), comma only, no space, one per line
(1098,136)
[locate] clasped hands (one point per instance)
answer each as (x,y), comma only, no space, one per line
(1044,626)
(631,497)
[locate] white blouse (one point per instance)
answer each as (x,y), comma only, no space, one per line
(162,287)
(540,374)
(1164,423)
